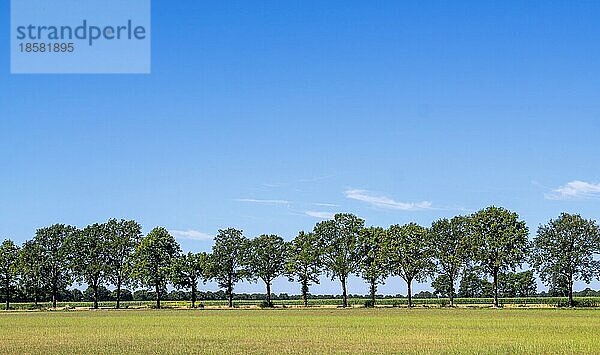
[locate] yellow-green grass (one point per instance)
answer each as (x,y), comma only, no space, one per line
(309,331)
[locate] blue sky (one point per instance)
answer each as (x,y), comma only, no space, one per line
(269,116)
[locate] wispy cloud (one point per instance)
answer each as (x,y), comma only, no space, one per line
(315,179)
(326,205)
(320,215)
(263,202)
(191,234)
(386,202)
(575,190)
(274,184)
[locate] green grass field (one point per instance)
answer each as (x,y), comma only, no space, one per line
(307,331)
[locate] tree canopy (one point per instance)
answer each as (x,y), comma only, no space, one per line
(452,247)
(565,250)
(88,257)
(153,258)
(338,239)
(227,260)
(9,262)
(373,265)
(501,242)
(265,259)
(54,252)
(188,270)
(409,254)
(122,237)
(303,262)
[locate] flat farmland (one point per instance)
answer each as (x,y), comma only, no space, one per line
(308,331)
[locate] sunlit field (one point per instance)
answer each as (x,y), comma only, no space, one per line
(307,331)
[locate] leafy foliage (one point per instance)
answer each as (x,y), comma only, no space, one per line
(443,287)
(265,259)
(303,262)
(564,250)
(473,285)
(88,257)
(409,254)
(153,258)
(451,246)
(9,257)
(338,239)
(372,258)
(519,284)
(31,269)
(122,237)
(227,260)
(189,269)
(54,250)
(500,242)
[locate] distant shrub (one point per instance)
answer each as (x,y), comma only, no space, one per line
(265,304)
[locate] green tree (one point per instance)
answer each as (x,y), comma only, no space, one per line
(303,262)
(89,255)
(227,261)
(31,268)
(472,285)
(9,267)
(93,295)
(188,270)
(338,239)
(409,254)
(502,242)
(558,286)
(265,260)
(451,245)
(153,259)
(564,251)
(52,242)
(373,262)
(122,237)
(443,287)
(517,284)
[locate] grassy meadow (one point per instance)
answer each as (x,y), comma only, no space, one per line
(308,331)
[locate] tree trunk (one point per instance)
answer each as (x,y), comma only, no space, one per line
(157,289)
(230,295)
(54,294)
(373,291)
(344,295)
(35,296)
(193,296)
(451,295)
(496,304)
(305,292)
(269,303)
(409,289)
(95,287)
(119,291)
(571,302)
(7,293)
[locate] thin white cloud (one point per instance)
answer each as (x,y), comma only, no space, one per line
(385,202)
(575,190)
(320,215)
(275,184)
(191,234)
(326,205)
(315,179)
(263,202)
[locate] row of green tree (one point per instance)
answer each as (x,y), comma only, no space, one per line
(491,243)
